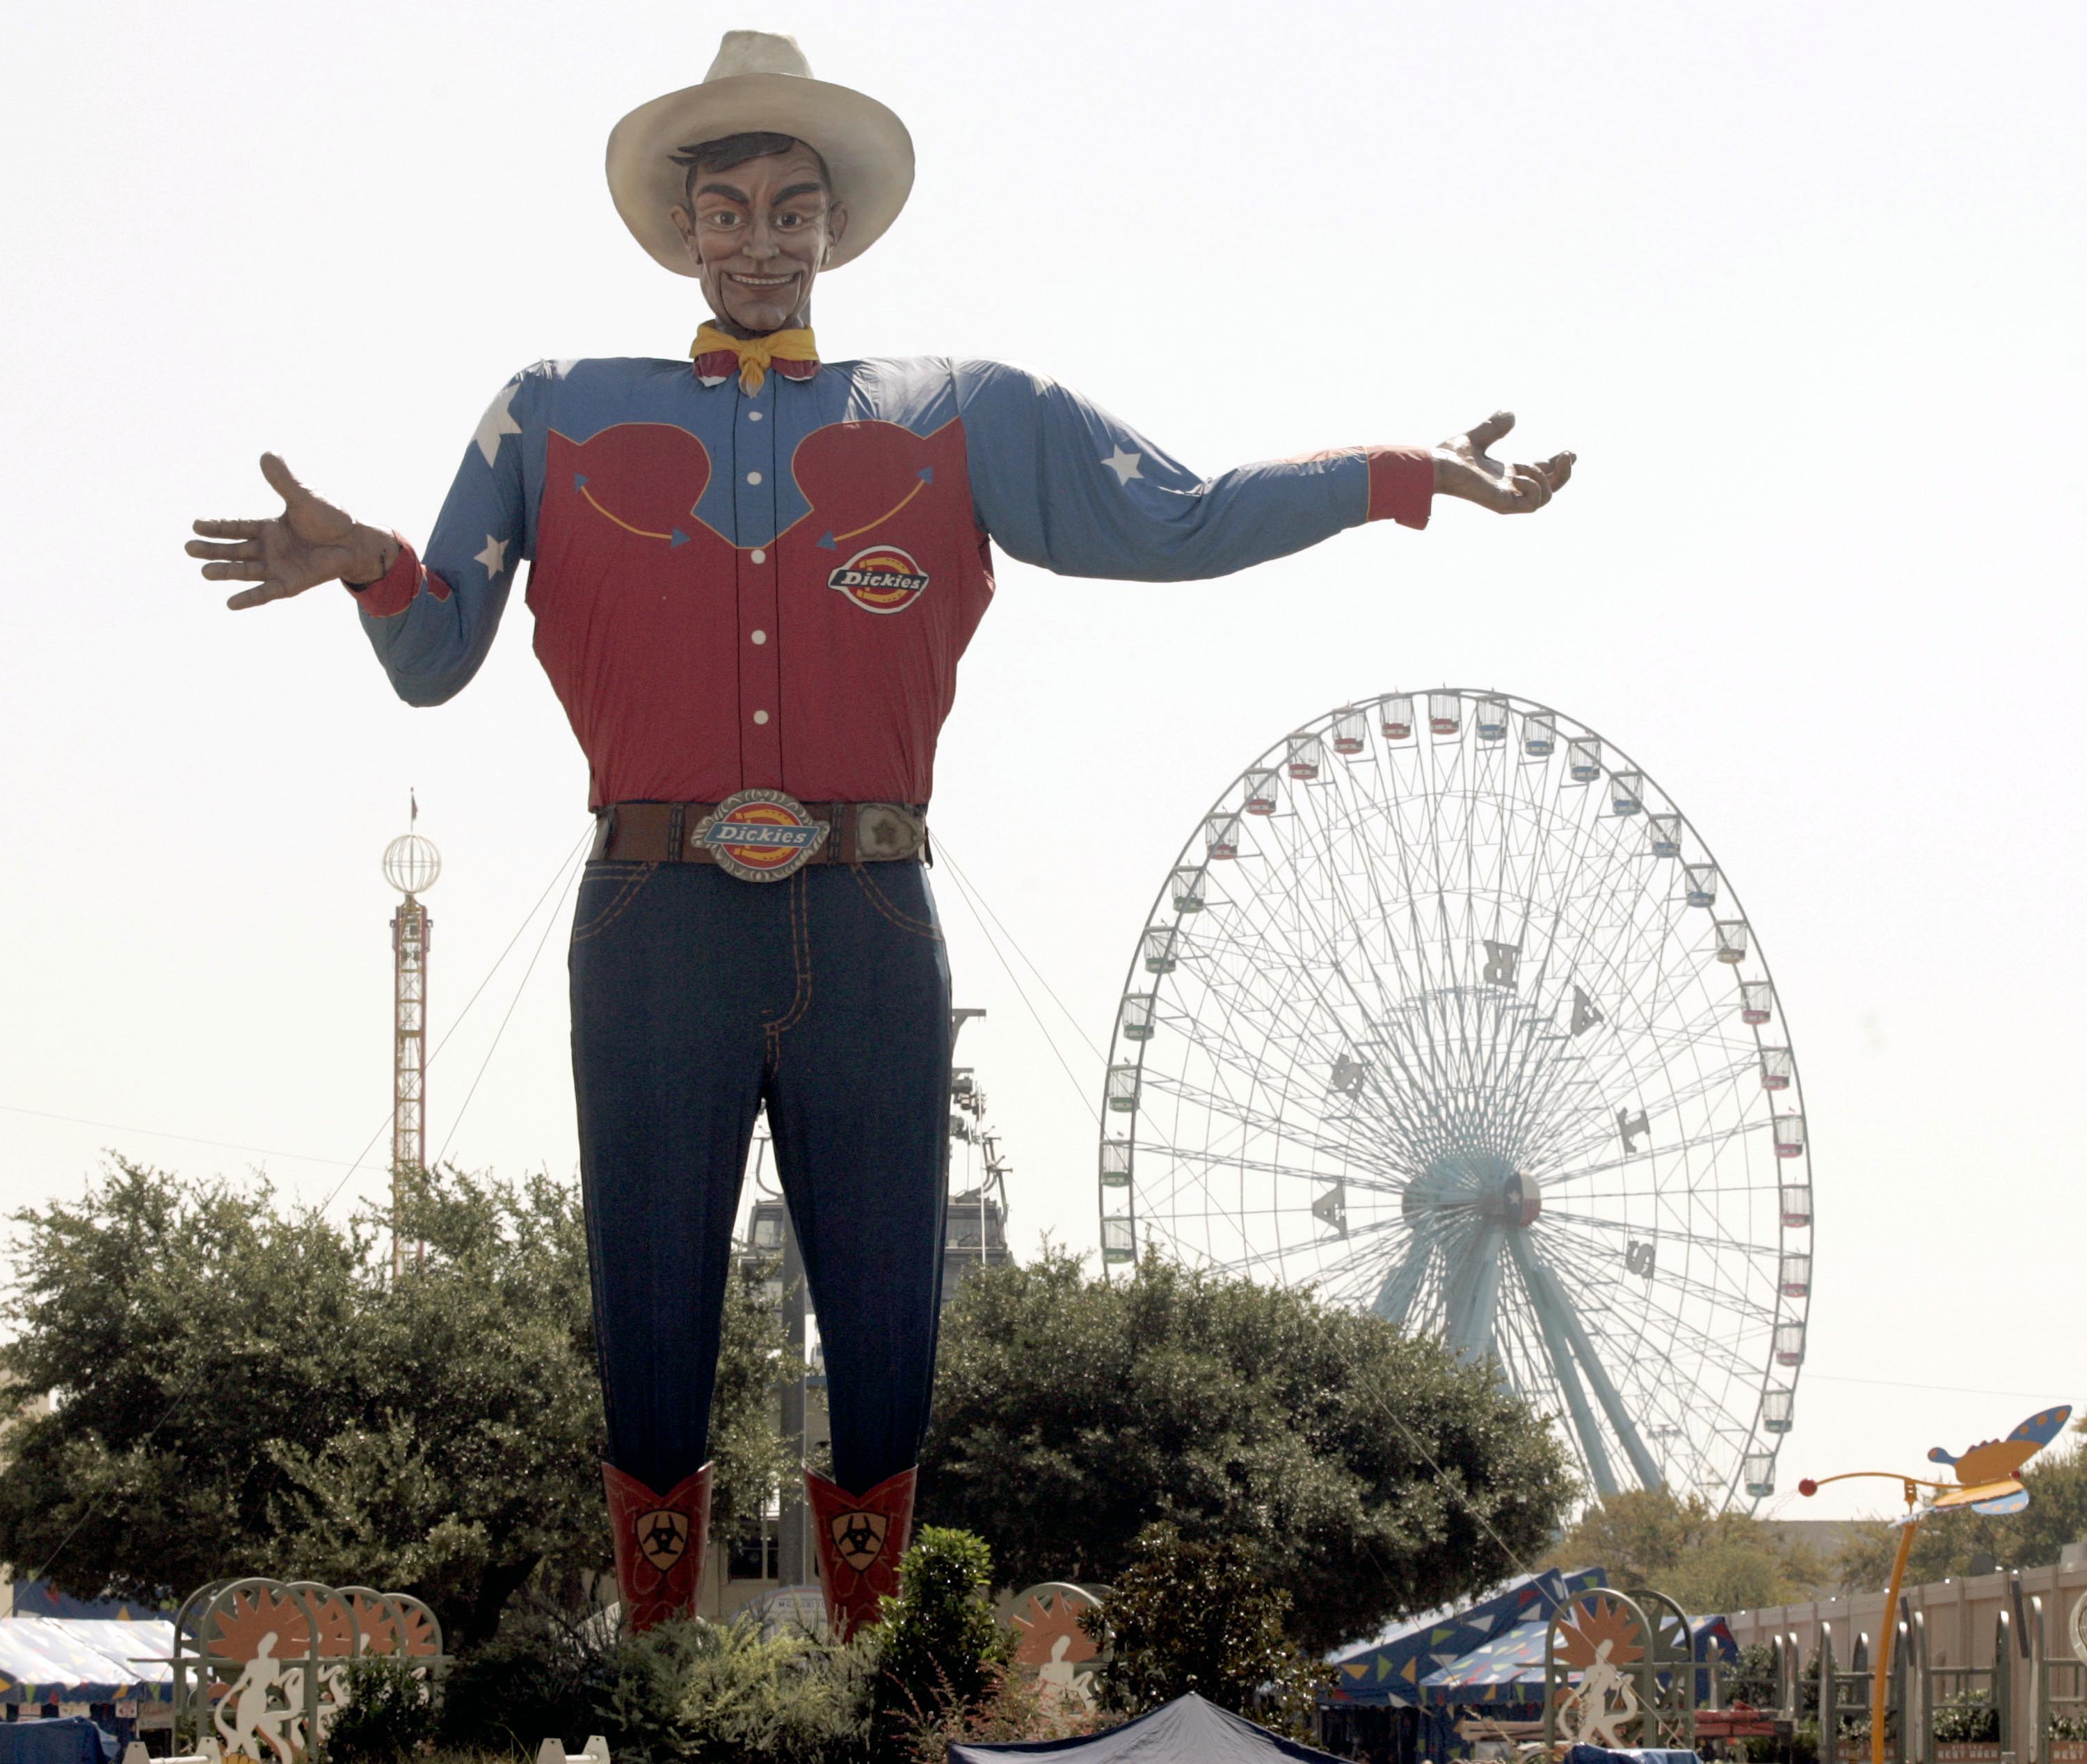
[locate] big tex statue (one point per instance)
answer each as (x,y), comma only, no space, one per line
(752,574)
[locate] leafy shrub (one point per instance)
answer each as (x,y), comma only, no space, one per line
(1010,1708)
(1750,1678)
(1967,1718)
(702,1692)
(387,1712)
(939,1640)
(540,1677)
(1199,1617)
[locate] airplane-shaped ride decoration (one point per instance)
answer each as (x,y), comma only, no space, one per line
(1988,1480)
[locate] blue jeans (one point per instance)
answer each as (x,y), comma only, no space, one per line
(697,1000)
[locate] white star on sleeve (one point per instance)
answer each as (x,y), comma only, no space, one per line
(496,422)
(1123,465)
(494,556)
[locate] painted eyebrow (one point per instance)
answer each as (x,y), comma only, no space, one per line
(814,188)
(726,191)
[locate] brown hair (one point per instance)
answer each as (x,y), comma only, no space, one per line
(722,153)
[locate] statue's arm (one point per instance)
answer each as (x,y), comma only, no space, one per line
(430,620)
(1059,482)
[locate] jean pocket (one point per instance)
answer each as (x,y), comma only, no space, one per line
(908,921)
(606,892)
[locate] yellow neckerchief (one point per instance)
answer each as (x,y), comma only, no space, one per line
(755,353)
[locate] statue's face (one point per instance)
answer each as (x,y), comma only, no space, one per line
(758,235)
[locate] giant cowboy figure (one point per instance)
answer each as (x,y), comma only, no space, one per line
(752,581)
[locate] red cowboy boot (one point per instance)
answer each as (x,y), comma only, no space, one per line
(860,1539)
(661,1543)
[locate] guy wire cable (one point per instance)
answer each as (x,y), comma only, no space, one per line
(964,881)
(1055,1053)
(551,920)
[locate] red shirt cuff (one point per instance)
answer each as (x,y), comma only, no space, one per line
(1402,484)
(393,592)
(399,586)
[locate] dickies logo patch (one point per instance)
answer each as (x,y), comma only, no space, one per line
(759,835)
(882,579)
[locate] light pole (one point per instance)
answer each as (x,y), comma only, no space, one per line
(411,864)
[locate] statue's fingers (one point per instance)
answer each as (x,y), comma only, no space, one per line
(1482,435)
(283,481)
(245,570)
(261,596)
(245,548)
(1558,471)
(228,529)
(1531,490)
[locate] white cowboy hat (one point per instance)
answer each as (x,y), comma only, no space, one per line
(760,81)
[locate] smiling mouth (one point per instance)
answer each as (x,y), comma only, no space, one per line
(762,281)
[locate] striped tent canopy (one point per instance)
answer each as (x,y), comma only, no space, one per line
(1395,1668)
(1509,1668)
(85,1659)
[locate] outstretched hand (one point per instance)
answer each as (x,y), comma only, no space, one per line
(1463,468)
(310,541)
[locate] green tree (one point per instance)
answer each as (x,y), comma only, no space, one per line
(1705,1561)
(240,1387)
(1363,1470)
(1942,1548)
(1188,1616)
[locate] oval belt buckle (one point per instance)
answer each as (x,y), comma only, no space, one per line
(759,835)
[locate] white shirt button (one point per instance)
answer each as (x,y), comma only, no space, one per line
(759,555)
(761,716)
(753,416)
(754,477)
(761,636)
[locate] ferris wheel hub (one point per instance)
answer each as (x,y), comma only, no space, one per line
(1474,1181)
(1515,1201)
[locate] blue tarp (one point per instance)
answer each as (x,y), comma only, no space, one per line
(1600,1754)
(74,1740)
(1186,1730)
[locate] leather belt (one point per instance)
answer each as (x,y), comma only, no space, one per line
(760,835)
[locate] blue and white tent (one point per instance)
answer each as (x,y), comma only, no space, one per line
(1394,1668)
(85,1659)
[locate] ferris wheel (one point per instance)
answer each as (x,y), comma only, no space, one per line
(1447,1010)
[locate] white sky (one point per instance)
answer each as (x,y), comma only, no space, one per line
(1802,284)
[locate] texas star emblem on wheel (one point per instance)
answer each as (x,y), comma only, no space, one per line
(1448,1010)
